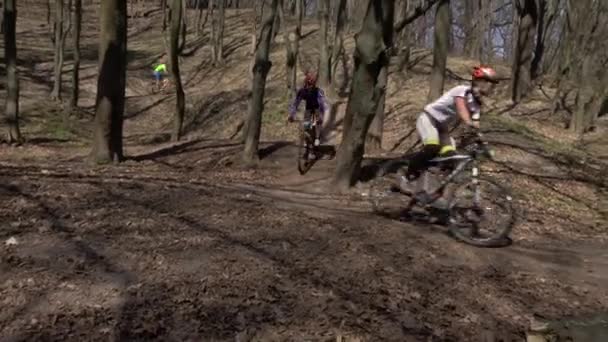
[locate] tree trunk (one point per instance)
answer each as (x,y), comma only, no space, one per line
(219,44)
(324,62)
(474,30)
(276,25)
(293,47)
(199,17)
(261,68)
(214,29)
(540,43)
(371,55)
(11,108)
(2,18)
(58,59)
(376,130)
(180,107)
(524,49)
(440,49)
(588,68)
(163,4)
(76,70)
(110,100)
(48,16)
(404,39)
(183,27)
(337,49)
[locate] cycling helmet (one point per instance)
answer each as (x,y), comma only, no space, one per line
(310,80)
(483,72)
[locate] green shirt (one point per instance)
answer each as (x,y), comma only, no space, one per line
(161,67)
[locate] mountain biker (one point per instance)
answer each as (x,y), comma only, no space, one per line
(159,70)
(314,99)
(459,104)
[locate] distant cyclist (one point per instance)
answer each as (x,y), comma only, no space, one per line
(159,71)
(459,104)
(314,99)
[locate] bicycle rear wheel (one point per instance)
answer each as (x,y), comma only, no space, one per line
(482,213)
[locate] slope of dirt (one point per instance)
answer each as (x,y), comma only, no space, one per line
(178,244)
(152,250)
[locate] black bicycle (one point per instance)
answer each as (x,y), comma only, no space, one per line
(308,153)
(479,211)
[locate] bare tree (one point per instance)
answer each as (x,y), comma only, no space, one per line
(587,60)
(60,35)
(547,14)
(324,54)
(293,47)
(376,129)
(440,49)
(77,19)
(337,49)
(371,55)
(527,17)
(200,23)
(183,27)
(218,32)
(11,108)
(403,40)
(110,101)
(180,106)
(261,68)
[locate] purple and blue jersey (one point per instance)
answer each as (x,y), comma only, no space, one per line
(313,98)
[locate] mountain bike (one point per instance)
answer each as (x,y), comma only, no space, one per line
(308,153)
(164,86)
(479,211)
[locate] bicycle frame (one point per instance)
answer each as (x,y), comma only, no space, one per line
(472,158)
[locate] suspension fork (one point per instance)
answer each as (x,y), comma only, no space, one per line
(475,182)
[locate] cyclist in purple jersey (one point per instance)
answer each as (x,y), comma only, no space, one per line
(314,99)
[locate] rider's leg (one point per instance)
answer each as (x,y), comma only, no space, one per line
(318,128)
(430,139)
(157,76)
(419,161)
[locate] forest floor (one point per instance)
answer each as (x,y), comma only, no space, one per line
(178,243)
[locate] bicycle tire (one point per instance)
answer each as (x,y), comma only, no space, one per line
(458,207)
(303,151)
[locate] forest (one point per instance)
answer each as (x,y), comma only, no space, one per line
(177,208)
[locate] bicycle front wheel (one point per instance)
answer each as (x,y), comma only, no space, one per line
(482,213)
(303,151)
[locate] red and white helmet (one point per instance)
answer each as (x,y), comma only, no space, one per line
(483,72)
(310,79)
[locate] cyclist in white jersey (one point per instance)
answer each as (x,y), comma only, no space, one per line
(459,104)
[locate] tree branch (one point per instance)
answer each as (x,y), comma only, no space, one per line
(415,13)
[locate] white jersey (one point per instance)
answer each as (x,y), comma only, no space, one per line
(444,109)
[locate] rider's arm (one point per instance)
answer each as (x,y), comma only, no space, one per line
(463,111)
(293,107)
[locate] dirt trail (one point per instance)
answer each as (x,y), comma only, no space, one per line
(155,249)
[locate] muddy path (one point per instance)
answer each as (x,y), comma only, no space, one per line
(180,247)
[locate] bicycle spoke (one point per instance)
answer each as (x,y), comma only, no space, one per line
(481,213)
